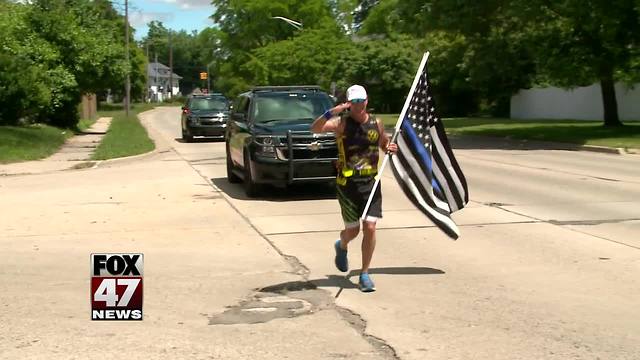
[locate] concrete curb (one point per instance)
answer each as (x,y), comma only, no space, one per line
(602,149)
(562,146)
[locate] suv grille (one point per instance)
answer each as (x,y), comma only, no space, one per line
(308,146)
(212,120)
(310,154)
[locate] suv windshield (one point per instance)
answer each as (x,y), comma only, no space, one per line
(209,104)
(274,106)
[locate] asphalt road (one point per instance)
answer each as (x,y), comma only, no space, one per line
(547,265)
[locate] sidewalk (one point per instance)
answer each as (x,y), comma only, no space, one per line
(75,153)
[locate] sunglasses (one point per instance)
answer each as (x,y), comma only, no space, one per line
(357,101)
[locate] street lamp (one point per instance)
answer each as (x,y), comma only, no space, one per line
(295,24)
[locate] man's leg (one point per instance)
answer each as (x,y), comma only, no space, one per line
(369,239)
(368,243)
(347,235)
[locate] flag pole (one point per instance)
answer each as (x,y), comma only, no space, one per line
(407,102)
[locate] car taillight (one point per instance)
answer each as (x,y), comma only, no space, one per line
(185,111)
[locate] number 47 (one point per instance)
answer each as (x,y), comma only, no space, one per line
(107,291)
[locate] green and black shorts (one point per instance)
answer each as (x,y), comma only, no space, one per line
(353,194)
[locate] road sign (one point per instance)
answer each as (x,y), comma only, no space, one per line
(203,76)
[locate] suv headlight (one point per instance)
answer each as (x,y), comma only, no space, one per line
(265,140)
(266,145)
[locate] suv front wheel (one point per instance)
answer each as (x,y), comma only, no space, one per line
(186,137)
(250,187)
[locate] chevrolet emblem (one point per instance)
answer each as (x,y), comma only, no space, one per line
(314,146)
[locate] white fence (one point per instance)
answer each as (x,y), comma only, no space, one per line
(583,103)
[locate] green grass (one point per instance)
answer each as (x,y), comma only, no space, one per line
(569,131)
(22,143)
(110,110)
(84,124)
(34,142)
(126,136)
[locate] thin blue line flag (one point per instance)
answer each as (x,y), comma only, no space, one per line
(424,165)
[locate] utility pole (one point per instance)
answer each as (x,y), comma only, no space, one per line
(155,68)
(208,80)
(127,84)
(170,66)
(146,88)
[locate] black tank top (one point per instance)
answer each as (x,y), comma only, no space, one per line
(358,145)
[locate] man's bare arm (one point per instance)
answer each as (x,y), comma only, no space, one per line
(324,124)
(385,141)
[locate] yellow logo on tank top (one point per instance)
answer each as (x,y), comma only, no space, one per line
(372,135)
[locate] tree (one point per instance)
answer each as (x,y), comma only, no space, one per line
(188,50)
(589,41)
(386,67)
(566,43)
(381,19)
(343,13)
(23,82)
(454,88)
(361,12)
(247,25)
(211,52)
(55,50)
(298,61)
(488,51)
(157,42)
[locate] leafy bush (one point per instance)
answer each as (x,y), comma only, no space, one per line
(53,51)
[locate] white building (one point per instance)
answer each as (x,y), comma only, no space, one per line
(159,76)
(582,103)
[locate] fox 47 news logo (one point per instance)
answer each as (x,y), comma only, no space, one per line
(116,286)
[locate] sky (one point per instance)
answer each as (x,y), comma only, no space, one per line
(174,14)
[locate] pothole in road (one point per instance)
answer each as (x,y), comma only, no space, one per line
(292,299)
(269,304)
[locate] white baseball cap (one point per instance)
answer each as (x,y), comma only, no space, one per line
(355,93)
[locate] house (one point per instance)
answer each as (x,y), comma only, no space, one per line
(158,79)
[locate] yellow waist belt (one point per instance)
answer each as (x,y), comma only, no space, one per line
(347,173)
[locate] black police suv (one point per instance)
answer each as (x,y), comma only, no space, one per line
(268,138)
(204,115)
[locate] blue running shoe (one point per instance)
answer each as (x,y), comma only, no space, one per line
(342,263)
(365,284)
